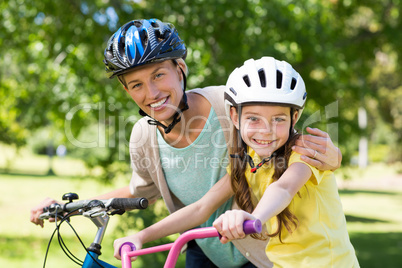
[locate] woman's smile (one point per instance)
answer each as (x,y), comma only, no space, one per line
(159,104)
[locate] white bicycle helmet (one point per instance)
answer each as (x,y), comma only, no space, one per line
(265,80)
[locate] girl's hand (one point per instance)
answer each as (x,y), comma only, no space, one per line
(118,242)
(230,224)
(318,150)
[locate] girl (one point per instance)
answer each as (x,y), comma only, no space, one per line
(299,204)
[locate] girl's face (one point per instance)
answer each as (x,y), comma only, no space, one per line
(264,128)
(156,88)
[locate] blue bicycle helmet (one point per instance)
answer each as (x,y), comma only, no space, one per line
(139,42)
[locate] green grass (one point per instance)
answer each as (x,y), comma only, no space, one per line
(23,243)
(24,185)
(375,226)
(374,215)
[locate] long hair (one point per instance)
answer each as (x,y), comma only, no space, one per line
(241,187)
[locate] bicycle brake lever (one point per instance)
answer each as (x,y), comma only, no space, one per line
(95,212)
(45,216)
(117,211)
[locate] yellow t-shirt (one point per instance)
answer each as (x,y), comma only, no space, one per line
(321,238)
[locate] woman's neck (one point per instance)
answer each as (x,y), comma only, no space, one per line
(191,123)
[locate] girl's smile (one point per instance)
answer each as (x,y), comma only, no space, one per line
(263,142)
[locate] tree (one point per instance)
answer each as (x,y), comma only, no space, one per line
(52,73)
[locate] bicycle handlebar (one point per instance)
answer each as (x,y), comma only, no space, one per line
(128,203)
(128,250)
(113,205)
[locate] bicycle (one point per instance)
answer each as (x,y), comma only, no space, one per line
(128,250)
(99,211)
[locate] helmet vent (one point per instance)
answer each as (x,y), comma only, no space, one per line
(261,74)
(233,91)
(278,79)
(293,84)
(247,80)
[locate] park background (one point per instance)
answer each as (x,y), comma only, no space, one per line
(64,126)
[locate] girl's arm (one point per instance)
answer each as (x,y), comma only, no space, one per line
(183,219)
(276,198)
(279,194)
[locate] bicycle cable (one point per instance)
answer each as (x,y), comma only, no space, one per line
(63,246)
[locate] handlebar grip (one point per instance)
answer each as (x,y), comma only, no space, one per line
(129,203)
(127,247)
(251,227)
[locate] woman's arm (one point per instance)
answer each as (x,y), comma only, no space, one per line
(275,199)
(328,156)
(38,210)
(183,219)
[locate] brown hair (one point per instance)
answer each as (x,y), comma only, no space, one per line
(241,187)
(122,80)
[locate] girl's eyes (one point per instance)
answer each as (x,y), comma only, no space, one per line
(275,119)
(278,119)
(254,119)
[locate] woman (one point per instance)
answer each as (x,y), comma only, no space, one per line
(178,150)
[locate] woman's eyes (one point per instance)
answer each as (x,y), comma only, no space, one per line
(136,86)
(158,75)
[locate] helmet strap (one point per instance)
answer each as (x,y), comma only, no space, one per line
(177,115)
(263,161)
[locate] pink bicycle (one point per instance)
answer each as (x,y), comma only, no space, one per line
(127,250)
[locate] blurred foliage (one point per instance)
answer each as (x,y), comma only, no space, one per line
(52,75)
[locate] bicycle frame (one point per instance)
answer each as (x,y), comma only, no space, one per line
(90,263)
(127,250)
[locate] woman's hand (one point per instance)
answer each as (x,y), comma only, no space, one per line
(318,150)
(230,224)
(38,210)
(120,241)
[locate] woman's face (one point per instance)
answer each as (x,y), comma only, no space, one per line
(264,128)
(156,88)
